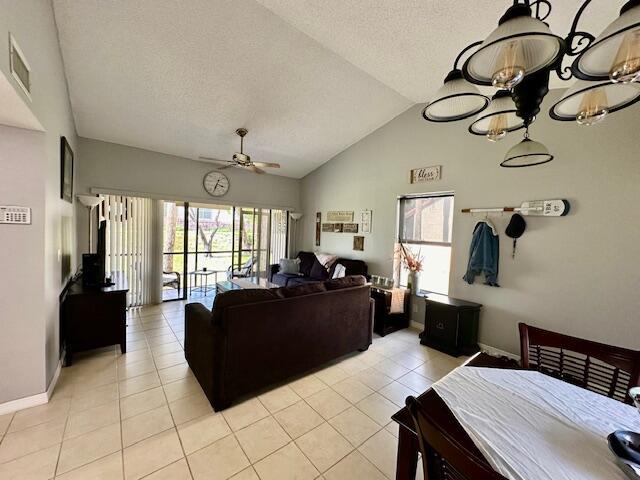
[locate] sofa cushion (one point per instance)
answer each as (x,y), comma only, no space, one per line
(284,279)
(306,262)
(299,281)
(240,297)
(353,267)
(345,282)
(319,271)
(302,289)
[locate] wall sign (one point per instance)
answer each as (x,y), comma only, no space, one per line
(425,174)
(340,216)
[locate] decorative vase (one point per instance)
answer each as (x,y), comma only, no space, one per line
(412,282)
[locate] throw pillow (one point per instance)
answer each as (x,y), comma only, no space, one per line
(290,266)
(340,271)
(303,289)
(306,262)
(345,282)
(318,271)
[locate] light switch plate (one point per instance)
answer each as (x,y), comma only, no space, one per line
(15,215)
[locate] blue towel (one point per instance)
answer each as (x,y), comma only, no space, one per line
(484,254)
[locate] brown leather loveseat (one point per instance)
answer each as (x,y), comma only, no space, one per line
(255,338)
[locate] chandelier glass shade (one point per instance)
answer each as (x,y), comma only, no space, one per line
(457,99)
(589,103)
(498,119)
(527,153)
(615,53)
(521,45)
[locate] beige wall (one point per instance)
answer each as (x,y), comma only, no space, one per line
(578,274)
(118,168)
(30,165)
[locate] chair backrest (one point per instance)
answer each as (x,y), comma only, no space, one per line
(598,367)
(443,457)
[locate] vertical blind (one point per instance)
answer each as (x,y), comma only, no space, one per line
(129,244)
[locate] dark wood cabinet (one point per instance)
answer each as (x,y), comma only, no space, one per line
(385,322)
(94,317)
(450,325)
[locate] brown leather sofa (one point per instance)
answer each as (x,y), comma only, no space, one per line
(255,338)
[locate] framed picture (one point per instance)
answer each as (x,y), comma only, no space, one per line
(366,221)
(337,227)
(350,227)
(340,216)
(66,170)
(318,227)
(358,243)
(327,227)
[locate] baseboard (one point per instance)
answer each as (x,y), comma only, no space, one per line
(32,400)
(496,352)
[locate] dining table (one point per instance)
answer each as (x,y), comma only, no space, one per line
(408,448)
(521,423)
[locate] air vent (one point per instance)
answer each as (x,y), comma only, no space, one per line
(19,67)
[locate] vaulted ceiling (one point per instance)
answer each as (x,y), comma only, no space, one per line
(308,78)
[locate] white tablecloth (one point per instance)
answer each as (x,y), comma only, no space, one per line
(530,426)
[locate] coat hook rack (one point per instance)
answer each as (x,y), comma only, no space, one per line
(536,208)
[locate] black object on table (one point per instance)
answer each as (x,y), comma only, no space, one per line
(450,324)
(94,317)
(385,322)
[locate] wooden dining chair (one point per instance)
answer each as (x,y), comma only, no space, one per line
(443,457)
(598,367)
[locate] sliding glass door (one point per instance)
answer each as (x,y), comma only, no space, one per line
(220,240)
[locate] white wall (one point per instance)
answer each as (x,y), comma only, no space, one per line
(33,161)
(118,168)
(578,274)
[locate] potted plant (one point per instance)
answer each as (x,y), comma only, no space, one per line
(413,263)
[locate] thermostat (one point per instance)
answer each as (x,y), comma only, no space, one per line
(15,215)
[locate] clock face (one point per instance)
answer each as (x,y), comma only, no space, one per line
(216,184)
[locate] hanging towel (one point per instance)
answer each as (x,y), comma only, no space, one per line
(397,300)
(483,255)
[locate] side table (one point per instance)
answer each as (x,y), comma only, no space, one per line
(385,322)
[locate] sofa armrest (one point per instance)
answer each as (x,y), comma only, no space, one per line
(199,344)
(273,269)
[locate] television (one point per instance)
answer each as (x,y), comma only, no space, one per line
(94,264)
(102,249)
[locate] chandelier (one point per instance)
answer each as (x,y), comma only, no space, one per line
(517,59)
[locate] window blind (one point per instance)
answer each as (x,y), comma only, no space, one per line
(129,244)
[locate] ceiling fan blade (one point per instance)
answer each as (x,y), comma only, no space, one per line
(209,159)
(255,169)
(224,167)
(266,164)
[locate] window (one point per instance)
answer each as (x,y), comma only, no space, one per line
(425,227)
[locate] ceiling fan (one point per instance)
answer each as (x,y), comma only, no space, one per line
(241,159)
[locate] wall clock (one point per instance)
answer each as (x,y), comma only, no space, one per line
(216,184)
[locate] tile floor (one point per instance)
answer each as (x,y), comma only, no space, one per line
(143,415)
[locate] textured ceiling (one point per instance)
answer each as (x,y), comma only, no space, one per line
(307,77)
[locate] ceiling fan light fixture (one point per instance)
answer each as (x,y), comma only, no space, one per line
(498,119)
(615,53)
(589,103)
(527,153)
(520,45)
(456,100)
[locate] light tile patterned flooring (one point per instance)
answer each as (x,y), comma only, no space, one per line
(143,415)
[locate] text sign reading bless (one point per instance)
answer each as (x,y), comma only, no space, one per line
(425,174)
